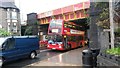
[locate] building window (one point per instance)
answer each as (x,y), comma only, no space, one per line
(14,15)
(14,28)
(8,28)
(8,15)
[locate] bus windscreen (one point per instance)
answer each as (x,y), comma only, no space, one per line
(55,39)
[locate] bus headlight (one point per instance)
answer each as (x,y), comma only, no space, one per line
(48,46)
(60,46)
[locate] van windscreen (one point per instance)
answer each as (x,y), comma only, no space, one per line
(2,40)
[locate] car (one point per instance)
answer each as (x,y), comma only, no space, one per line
(16,47)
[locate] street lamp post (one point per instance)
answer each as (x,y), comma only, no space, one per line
(111,23)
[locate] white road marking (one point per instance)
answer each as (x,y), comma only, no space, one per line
(45,50)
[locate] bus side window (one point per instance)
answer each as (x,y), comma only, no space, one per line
(65,25)
(77,38)
(69,38)
(9,44)
(80,37)
(72,38)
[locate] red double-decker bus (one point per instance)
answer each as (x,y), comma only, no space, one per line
(64,35)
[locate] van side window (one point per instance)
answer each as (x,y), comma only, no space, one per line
(10,43)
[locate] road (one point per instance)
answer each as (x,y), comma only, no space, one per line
(51,58)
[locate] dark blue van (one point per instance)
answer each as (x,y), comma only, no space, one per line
(16,47)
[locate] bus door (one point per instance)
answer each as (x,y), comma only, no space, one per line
(77,41)
(81,40)
(65,41)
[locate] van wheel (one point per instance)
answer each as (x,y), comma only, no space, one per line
(32,55)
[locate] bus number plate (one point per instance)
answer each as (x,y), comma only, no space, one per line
(53,48)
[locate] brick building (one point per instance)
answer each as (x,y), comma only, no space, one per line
(10,17)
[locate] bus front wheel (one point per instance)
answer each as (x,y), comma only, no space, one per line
(69,47)
(81,45)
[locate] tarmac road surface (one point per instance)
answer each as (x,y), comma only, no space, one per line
(51,58)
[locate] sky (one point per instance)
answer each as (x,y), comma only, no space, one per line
(39,6)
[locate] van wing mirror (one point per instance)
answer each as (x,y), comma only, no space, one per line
(2,48)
